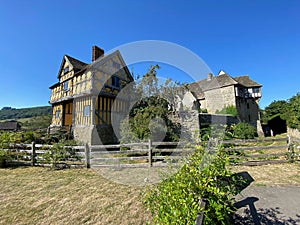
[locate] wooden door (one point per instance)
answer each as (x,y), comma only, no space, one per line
(68,110)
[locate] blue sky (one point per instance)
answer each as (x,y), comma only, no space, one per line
(258,37)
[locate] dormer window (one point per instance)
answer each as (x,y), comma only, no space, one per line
(66,70)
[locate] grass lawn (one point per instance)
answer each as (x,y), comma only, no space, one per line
(275,174)
(33,195)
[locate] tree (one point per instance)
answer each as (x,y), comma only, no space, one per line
(6,108)
(274,109)
(292,113)
(287,110)
(148,118)
(230,110)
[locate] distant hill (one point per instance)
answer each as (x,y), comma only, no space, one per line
(8,113)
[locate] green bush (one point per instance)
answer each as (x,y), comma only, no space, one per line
(203,110)
(4,144)
(244,131)
(219,131)
(230,110)
(176,200)
(4,158)
(59,154)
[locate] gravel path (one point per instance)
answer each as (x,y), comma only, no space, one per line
(271,205)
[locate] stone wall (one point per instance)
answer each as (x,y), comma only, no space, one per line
(217,99)
(83,134)
(190,126)
(94,135)
(206,119)
(248,110)
(106,134)
(293,133)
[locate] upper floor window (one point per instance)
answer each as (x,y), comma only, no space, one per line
(256,90)
(116,65)
(115,81)
(66,85)
(66,69)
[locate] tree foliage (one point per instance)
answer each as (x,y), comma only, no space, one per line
(36,123)
(274,109)
(292,114)
(287,110)
(7,113)
(243,131)
(230,110)
(148,118)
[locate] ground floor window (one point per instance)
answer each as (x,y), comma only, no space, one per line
(57,113)
(86,110)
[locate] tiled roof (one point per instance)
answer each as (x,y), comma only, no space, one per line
(246,81)
(222,80)
(199,87)
(9,125)
(196,90)
(77,64)
(216,82)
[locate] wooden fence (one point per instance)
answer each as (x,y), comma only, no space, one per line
(258,151)
(145,154)
(159,154)
(35,155)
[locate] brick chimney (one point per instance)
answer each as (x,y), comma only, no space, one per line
(96,53)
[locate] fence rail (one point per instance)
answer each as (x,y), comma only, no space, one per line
(160,154)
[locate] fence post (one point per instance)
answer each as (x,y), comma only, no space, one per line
(150,152)
(200,214)
(33,155)
(290,149)
(87,155)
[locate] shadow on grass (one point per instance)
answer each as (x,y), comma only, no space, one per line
(15,165)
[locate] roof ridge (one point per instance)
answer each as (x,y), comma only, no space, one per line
(72,58)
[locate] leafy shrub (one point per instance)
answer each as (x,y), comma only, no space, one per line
(127,136)
(5,139)
(219,131)
(231,110)
(203,110)
(244,131)
(59,154)
(176,200)
(4,144)
(4,158)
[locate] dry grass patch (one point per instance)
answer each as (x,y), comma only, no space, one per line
(275,174)
(34,195)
